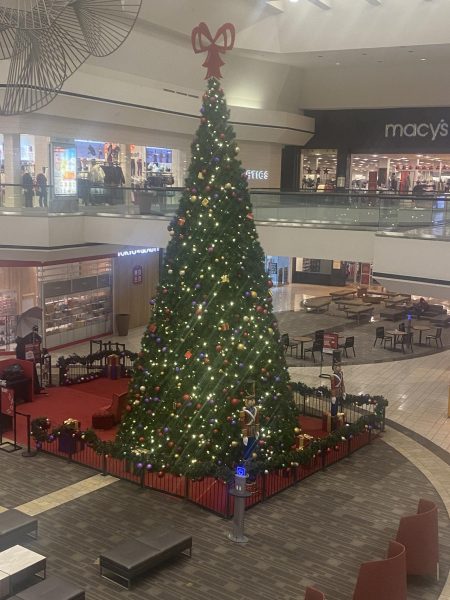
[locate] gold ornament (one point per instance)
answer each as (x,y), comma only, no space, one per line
(254,294)
(234,443)
(297,430)
(240,347)
(205,202)
(142,388)
(225,279)
(200,175)
(193,198)
(227,186)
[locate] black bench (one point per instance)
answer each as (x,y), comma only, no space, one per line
(393,314)
(52,588)
(14,525)
(133,558)
(442,320)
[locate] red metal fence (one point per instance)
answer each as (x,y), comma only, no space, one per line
(208,492)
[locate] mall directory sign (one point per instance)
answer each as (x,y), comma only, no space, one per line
(64,158)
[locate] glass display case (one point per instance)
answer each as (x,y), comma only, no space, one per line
(8,320)
(77,301)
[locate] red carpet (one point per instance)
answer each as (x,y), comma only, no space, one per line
(75,401)
(82,400)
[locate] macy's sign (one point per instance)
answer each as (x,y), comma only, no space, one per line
(413,130)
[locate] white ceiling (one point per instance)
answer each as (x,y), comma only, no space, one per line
(285,52)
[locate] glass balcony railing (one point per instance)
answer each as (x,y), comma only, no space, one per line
(352,209)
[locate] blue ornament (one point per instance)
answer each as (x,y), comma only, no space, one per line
(278,379)
(197,286)
(164,349)
(247,294)
(201,355)
(158,340)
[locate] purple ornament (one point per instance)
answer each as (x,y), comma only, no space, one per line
(152,301)
(197,286)
(166,429)
(149,467)
(193,303)
(146,400)
(51,437)
(247,294)
(241,365)
(201,355)
(278,379)
(158,340)
(164,349)
(139,465)
(216,196)
(156,399)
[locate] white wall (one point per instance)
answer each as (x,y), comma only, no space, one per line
(415,258)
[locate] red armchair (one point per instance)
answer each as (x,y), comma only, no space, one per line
(313,594)
(110,415)
(383,579)
(419,534)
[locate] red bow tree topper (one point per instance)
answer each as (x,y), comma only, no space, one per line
(203,41)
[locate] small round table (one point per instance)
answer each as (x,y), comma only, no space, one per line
(301,340)
(421,329)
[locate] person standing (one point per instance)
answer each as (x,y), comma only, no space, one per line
(41,184)
(27,184)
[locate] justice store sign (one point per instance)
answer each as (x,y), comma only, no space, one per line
(431,131)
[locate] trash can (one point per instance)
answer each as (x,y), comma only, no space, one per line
(122,324)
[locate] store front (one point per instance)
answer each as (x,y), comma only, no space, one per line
(76,300)
(90,171)
(393,150)
(316,271)
(277,268)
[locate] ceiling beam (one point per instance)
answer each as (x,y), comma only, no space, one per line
(276,4)
(324,4)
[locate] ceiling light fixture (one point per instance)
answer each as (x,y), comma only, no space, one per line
(423,59)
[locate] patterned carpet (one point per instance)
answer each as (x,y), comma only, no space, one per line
(315,533)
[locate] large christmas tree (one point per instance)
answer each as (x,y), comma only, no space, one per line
(212,341)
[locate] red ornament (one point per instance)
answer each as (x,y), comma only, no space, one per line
(128,407)
(250,216)
(198,406)
(269,283)
(218,348)
(157,388)
(152,327)
(186,397)
(160,473)
(235,401)
(142,439)
(171,444)
(188,354)
(259,309)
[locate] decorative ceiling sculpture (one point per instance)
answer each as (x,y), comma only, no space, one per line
(46,41)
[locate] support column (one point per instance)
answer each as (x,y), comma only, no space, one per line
(290,169)
(343,169)
(13,174)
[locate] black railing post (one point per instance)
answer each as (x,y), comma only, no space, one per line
(29,452)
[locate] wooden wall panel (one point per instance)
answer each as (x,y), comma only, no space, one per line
(134,298)
(22,280)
